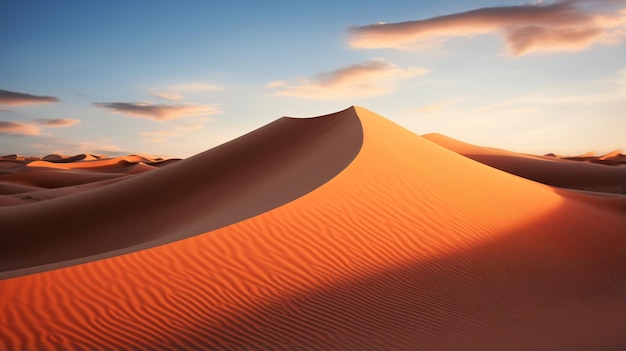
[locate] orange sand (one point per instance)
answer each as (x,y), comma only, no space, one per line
(411,246)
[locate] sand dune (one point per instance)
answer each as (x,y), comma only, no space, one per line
(31,179)
(68,159)
(240,179)
(114,165)
(612,158)
(22,195)
(11,166)
(401,244)
(10,188)
(611,155)
(45,177)
(16,157)
(561,172)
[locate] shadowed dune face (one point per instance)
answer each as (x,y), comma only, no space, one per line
(245,177)
(559,172)
(411,246)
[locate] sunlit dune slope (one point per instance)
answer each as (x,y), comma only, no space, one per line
(411,246)
(544,169)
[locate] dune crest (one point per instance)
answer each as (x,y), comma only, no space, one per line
(409,247)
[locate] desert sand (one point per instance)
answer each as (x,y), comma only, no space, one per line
(344,232)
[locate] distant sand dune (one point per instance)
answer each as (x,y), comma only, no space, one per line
(561,172)
(10,166)
(114,165)
(37,180)
(28,195)
(45,177)
(403,246)
(613,158)
(7,188)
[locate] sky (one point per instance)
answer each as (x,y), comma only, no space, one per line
(175,78)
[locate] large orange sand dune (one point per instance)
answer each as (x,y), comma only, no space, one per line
(340,232)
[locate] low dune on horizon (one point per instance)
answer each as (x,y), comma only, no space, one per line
(344,231)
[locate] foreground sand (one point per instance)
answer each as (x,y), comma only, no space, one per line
(399,244)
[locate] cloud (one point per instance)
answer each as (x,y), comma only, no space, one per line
(560,26)
(369,78)
(58,122)
(18,128)
(167,95)
(160,136)
(159,112)
(20,99)
(276,84)
(194,87)
(173,92)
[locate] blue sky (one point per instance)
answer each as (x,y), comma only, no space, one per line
(176,78)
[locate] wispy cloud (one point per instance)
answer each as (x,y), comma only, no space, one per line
(159,112)
(57,122)
(31,129)
(194,87)
(20,99)
(277,84)
(561,26)
(18,128)
(167,95)
(369,78)
(175,92)
(159,136)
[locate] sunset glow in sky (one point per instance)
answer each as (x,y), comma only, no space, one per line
(176,78)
